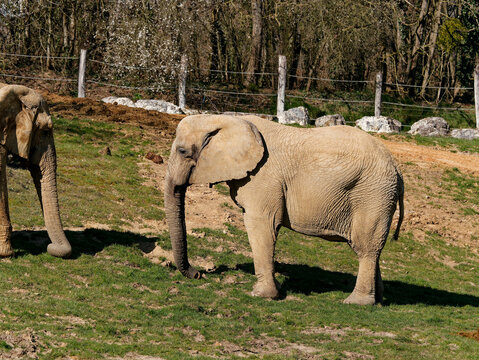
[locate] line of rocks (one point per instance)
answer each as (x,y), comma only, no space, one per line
(431,126)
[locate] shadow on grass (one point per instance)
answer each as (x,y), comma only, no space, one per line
(302,279)
(88,241)
(306,279)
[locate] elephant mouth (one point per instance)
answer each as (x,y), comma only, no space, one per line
(15,161)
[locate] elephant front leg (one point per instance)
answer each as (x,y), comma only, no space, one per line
(5,226)
(262,238)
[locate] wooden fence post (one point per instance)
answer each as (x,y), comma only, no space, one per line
(81,74)
(281,88)
(476,92)
(379,89)
(182,82)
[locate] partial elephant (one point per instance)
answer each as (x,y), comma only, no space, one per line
(26,130)
(338,183)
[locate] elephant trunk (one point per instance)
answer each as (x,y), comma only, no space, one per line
(44,177)
(175,215)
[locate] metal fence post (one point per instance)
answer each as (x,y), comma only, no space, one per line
(281,88)
(379,89)
(81,74)
(182,82)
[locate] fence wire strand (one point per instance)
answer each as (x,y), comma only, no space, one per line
(240,72)
(37,78)
(429,87)
(129,67)
(332,80)
(330,100)
(40,56)
(152,88)
(228,92)
(427,107)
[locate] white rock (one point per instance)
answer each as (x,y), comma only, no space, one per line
(431,126)
(158,105)
(118,101)
(379,124)
(298,115)
(468,134)
(330,120)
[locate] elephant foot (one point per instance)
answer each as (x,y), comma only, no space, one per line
(6,249)
(57,250)
(265,290)
(359,299)
(191,273)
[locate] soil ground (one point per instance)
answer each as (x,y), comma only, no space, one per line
(425,212)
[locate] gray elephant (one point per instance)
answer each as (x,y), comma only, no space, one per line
(337,183)
(26,130)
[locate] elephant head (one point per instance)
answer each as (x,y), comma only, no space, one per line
(26,130)
(207,149)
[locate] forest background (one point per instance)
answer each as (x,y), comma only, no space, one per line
(430,45)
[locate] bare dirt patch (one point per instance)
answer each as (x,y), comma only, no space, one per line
(19,346)
(428,157)
(471,334)
(429,208)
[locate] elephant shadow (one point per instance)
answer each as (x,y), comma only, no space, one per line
(305,279)
(88,241)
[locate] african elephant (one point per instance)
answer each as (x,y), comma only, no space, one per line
(26,130)
(338,183)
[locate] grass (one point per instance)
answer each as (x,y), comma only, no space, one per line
(95,186)
(110,301)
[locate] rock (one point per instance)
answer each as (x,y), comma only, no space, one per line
(157,159)
(159,105)
(379,124)
(468,134)
(298,115)
(118,101)
(431,126)
(330,120)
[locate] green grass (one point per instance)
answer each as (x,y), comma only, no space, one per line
(108,300)
(96,187)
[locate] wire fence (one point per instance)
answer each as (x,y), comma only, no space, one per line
(206,92)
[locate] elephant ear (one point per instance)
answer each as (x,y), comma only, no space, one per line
(231,147)
(19,105)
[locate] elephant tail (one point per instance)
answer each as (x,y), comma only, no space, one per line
(401,209)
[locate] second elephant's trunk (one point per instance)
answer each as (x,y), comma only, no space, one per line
(175,215)
(44,177)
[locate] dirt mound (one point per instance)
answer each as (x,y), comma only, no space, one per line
(69,107)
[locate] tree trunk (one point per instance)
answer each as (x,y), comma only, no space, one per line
(417,32)
(432,46)
(256,38)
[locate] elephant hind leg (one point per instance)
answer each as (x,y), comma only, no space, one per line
(368,242)
(368,284)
